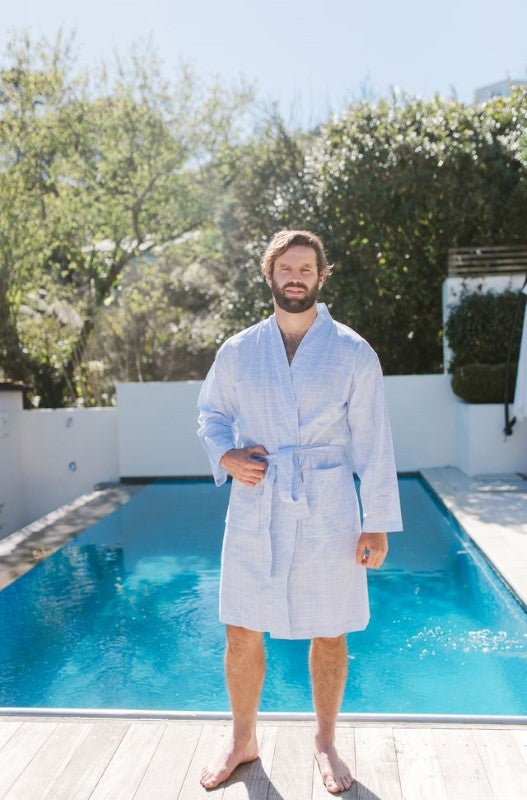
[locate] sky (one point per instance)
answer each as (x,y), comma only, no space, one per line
(312,57)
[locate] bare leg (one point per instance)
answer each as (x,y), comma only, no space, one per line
(328,663)
(244,671)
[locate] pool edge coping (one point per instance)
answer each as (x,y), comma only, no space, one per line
(263,716)
(450,508)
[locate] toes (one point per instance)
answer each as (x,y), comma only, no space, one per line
(331,784)
(207,779)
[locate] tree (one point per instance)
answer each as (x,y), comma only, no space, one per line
(96,175)
(390,187)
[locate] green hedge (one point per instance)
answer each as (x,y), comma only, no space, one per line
(478,332)
(478,329)
(483,383)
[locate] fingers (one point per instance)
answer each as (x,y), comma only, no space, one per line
(257,449)
(246,464)
(371,550)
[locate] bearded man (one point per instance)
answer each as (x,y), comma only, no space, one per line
(290,408)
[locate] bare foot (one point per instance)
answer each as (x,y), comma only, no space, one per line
(335,773)
(226,762)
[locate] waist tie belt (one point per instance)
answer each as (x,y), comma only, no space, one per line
(283,468)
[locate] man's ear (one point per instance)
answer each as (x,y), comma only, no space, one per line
(322,278)
(268,279)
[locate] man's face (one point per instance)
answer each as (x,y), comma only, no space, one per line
(295,282)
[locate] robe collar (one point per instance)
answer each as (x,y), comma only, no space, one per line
(304,362)
(322,316)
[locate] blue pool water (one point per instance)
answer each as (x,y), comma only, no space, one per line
(125,616)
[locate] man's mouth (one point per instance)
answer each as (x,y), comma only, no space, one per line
(295,289)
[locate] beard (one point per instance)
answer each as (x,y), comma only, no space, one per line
(295,305)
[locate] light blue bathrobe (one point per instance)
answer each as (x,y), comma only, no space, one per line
(288,559)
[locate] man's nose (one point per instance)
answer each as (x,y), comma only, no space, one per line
(296,277)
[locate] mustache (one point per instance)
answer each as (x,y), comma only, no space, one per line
(295,286)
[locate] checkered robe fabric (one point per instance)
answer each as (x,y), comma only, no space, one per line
(288,557)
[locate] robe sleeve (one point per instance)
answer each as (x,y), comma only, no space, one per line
(217,406)
(371,445)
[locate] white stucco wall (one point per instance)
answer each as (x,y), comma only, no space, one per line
(482,447)
(422,412)
(158,422)
(53,439)
(11,489)
(157,430)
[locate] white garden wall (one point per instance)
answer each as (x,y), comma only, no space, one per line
(49,457)
(65,452)
(157,429)
(423,419)
(481,445)
(11,488)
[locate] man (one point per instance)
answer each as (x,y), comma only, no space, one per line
(284,404)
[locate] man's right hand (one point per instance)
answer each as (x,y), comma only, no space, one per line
(239,463)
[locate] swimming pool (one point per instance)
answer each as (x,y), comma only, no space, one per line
(125,616)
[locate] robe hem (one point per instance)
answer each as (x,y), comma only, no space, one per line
(350,627)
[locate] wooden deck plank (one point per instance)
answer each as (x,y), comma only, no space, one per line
(20,749)
(81,775)
(118,758)
(419,769)
(292,772)
(7,728)
(170,762)
(211,740)
(503,763)
(461,765)
(377,769)
(345,742)
(251,781)
(124,773)
(50,761)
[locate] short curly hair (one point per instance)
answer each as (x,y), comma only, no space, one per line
(283,240)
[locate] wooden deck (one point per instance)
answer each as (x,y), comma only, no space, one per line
(64,758)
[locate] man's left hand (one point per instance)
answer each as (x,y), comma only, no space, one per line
(371,549)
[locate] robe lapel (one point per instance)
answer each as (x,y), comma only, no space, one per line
(312,350)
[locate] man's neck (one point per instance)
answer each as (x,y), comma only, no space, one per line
(294,325)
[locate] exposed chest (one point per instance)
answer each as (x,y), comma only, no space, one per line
(291,344)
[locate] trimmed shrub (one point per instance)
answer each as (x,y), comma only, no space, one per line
(479,328)
(483,383)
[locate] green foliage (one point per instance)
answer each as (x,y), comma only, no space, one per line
(390,187)
(158,325)
(479,327)
(396,186)
(92,178)
(483,383)
(134,213)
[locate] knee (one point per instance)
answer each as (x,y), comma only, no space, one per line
(330,642)
(241,639)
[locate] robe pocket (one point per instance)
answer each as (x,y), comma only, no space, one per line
(244,507)
(333,503)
